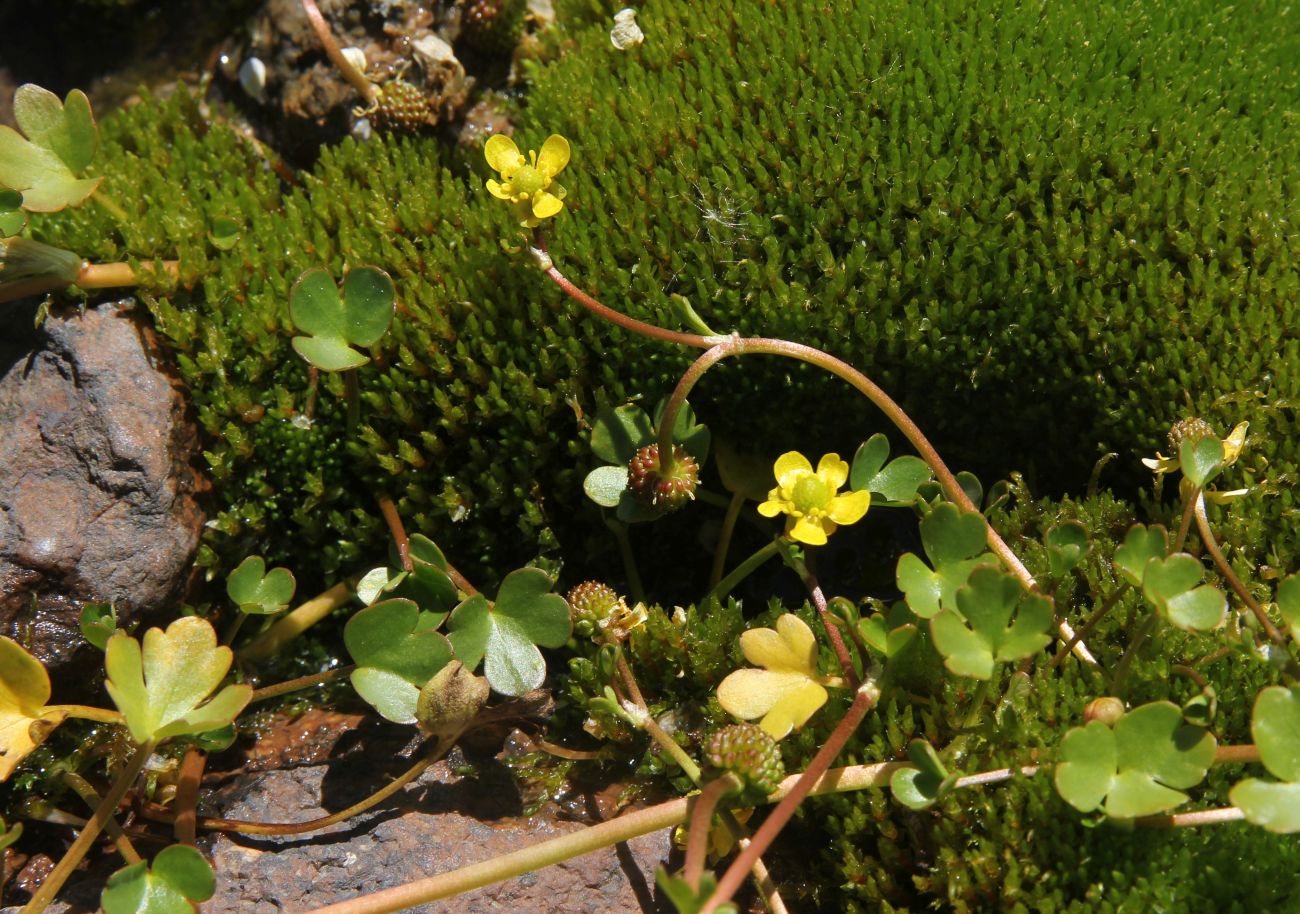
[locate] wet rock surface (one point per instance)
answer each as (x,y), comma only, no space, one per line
(97,493)
(462,810)
(439,823)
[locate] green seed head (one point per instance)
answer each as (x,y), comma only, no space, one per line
(1189,429)
(750,753)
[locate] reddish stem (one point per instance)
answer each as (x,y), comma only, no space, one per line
(863,702)
(397,529)
(701,827)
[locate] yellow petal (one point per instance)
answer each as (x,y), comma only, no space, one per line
(546,205)
(1233,443)
(807,531)
(502,154)
(773,506)
(557,189)
(499,190)
(790,646)
(849,507)
(1222,498)
(793,710)
(832,471)
(1160,464)
(554,156)
(789,466)
(749,693)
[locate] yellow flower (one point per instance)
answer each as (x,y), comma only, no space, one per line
(788,690)
(528,184)
(809,498)
(1232,446)
(721,840)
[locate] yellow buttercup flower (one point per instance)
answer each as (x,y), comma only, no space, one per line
(809,497)
(528,184)
(1232,447)
(788,690)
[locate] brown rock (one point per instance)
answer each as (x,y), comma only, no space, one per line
(97,495)
(439,823)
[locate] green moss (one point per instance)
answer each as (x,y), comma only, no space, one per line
(1045,227)
(1049,231)
(1042,230)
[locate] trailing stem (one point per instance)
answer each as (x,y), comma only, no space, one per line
(719,348)
(1212,547)
(86,838)
(365,88)
(298,828)
(697,844)
(863,701)
(819,601)
(575,844)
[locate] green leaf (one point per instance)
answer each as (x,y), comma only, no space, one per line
(394,636)
(334,323)
(427,583)
(8,835)
(631,511)
(920,787)
(868,461)
(1201,460)
(178,879)
(1140,546)
(899,481)
(67,129)
(1275,726)
(971,485)
(259,592)
(1288,600)
(605,485)
(1170,585)
(1268,804)
(745,474)
(506,636)
(59,144)
(686,431)
(328,355)
(218,740)
(619,433)
(12,217)
(161,689)
(223,233)
(24,691)
(1139,768)
(369,301)
(98,622)
(952,535)
(394,697)
(686,900)
(397,651)
(972,645)
(954,542)
(1067,544)
(375,582)
(889,635)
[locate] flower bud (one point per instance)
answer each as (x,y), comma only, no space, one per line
(450,701)
(1106,709)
